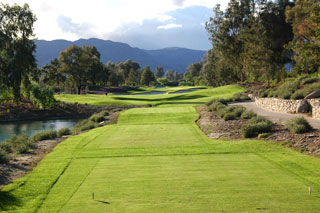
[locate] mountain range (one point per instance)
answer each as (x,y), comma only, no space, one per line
(174,58)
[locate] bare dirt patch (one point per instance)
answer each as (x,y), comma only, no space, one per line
(216,128)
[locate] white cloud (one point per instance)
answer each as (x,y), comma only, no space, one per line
(179,2)
(164,18)
(169,26)
(103,16)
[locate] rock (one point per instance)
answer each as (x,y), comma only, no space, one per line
(216,135)
(315,94)
(252,97)
(303,107)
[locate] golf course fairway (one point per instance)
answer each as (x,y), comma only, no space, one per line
(158,160)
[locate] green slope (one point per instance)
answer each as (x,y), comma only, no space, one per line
(157,160)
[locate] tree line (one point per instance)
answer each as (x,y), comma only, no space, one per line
(79,68)
(254,40)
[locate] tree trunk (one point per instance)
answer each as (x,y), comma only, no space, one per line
(79,90)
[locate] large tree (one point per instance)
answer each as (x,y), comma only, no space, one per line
(147,76)
(193,71)
(159,72)
(248,40)
(305,19)
(16,46)
(78,65)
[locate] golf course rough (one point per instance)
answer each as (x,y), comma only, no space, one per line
(157,160)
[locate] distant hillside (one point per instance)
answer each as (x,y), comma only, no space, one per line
(170,58)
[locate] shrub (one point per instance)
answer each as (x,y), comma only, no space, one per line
(287,89)
(4,158)
(225,100)
(229,116)
(297,95)
(84,125)
(309,80)
(240,97)
(99,117)
(18,144)
(210,102)
(298,125)
(236,97)
(216,105)
(300,94)
(239,110)
(256,126)
(221,111)
(42,97)
(64,131)
(245,98)
(248,114)
(45,135)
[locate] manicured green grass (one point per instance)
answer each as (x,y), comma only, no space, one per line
(157,160)
(193,98)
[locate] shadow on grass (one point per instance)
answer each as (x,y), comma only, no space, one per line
(104,202)
(7,201)
(178,103)
(175,98)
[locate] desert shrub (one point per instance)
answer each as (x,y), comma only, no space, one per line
(309,80)
(4,158)
(45,135)
(236,97)
(256,126)
(300,94)
(297,95)
(225,100)
(260,119)
(248,114)
(64,131)
(221,112)
(272,92)
(216,105)
(231,112)
(210,102)
(263,94)
(298,125)
(240,97)
(18,144)
(229,116)
(239,110)
(287,89)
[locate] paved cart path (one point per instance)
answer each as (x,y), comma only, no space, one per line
(278,117)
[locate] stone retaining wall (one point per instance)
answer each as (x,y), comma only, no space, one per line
(286,106)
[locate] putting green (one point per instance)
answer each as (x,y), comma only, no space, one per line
(157,160)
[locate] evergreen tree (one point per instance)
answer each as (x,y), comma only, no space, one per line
(147,76)
(159,72)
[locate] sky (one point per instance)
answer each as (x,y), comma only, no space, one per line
(148,24)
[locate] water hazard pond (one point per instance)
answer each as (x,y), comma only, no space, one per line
(9,129)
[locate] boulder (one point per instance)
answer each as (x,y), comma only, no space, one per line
(303,107)
(315,94)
